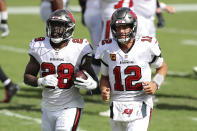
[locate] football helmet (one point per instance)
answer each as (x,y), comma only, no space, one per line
(60,26)
(124,17)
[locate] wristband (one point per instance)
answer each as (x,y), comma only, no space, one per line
(162,5)
(4,15)
(158,80)
(39,81)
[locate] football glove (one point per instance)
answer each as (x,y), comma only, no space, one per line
(88,84)
(4,28)
(161,21)
(49,80)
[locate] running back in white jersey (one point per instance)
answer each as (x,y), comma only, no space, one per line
(127,71)
(63,63)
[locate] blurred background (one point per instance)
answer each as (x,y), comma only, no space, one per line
(176,109)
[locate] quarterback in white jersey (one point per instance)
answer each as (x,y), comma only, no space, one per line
(107,9)
(126,72)
(58,56)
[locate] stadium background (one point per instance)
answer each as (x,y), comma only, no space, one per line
(176,109)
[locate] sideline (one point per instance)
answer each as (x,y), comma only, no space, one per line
(8,113)
(194,118)
(189,42)
(36,9)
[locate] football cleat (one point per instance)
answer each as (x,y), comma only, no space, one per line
(10,92)
(4,28)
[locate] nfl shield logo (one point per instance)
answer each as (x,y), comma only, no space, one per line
(113,57)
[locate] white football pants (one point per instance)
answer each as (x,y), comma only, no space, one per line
(62,120)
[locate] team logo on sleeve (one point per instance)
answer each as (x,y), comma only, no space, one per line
(113,57)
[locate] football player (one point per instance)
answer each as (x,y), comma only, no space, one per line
(48,6)
(4,17)
(58,56)
(91,18)
(10,87)
(126,72)
(146,11)
(107,9)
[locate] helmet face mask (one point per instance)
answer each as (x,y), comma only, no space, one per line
(123,33)
(125,18)
(60,26)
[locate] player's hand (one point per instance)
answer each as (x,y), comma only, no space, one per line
(170,9)
(149,87)
(105,93)
(49,80)
(88,84)
(4,28)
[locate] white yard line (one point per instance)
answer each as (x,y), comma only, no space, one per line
(179,31)
(189,42)
(194,118)
(8,113)
(36,120)
(185,7)
(36,9)
(13,49)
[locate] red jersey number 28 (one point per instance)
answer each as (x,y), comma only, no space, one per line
(64,73)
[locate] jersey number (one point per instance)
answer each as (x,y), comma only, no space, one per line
(64,72)
(136,70)
(120,3)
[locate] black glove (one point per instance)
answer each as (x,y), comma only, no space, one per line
(161,21)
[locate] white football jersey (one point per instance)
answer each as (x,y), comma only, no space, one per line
(63,63)
(127,71)
(145,8)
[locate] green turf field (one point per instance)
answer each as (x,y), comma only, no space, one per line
(176,109)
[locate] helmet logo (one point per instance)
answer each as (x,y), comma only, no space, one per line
(133,14)
(55,17)
(72,18)
(120,21)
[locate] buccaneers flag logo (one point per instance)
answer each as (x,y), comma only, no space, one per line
(113,57)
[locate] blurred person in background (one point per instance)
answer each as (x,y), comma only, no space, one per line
(160,7)
(48,6)
(4,19)
(91,18)
(10,87)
